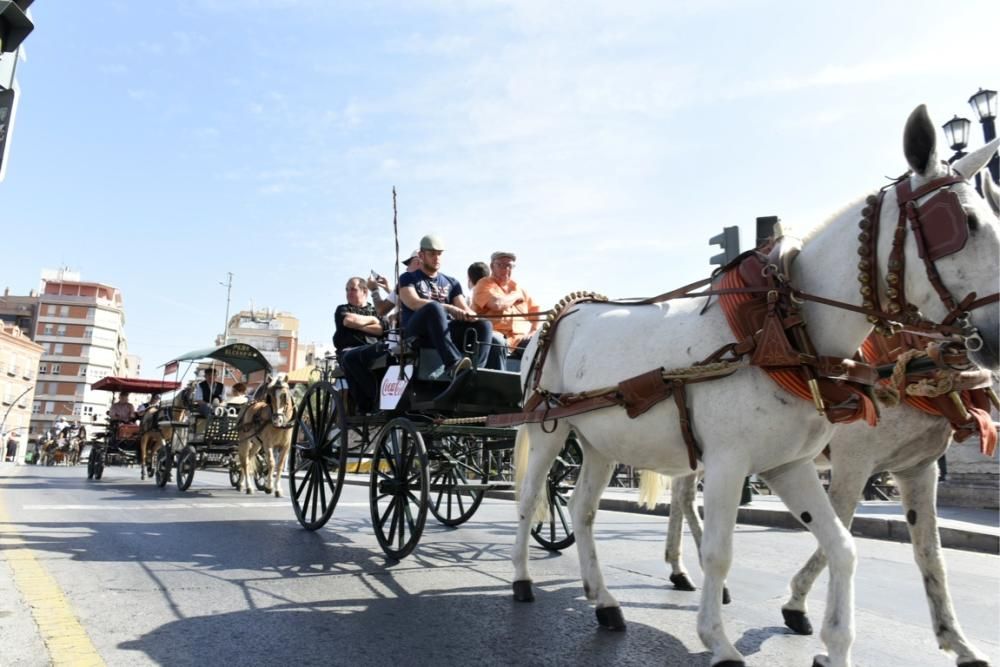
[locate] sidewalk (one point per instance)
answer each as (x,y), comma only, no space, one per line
(960,527)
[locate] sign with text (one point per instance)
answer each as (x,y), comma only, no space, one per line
(393,385)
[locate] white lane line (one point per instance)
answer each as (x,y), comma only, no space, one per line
(171,506)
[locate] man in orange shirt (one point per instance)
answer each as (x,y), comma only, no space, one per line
(498,294)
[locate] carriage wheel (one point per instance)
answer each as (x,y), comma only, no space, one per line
(164,458)
(90,466)
(235,474)
(318,457)
(99,469)
(185,468)
(398,488)
(556,533)
(262,472)
(455,462)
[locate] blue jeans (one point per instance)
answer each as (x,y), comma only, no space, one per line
(432,325)
(357,364)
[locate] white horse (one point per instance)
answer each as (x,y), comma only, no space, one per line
(744,423)
(266,425)
(907,443)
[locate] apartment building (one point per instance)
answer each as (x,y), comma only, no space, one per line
(19,358)
(80,326)
(275,334)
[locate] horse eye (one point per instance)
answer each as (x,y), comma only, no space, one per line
(973,222)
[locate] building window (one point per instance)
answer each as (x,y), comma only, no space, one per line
(47,329)
(61,330)
(43,369)
(283,345)
(50,407)
(56,369)
(36,407)
(57,349)
(53,309)
(88,410)
(64,311)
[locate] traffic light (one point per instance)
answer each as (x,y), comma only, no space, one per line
(14,24)
(729,241)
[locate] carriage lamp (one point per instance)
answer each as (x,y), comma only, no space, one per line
(956,131)
(984,103)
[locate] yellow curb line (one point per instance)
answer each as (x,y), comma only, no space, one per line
(65,639)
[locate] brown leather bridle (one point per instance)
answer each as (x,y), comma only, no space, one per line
(940,228)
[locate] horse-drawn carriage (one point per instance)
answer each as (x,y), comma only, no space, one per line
(209,434)
(119,443)
(427,448)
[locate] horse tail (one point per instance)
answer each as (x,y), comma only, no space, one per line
(651,484)
(522,451)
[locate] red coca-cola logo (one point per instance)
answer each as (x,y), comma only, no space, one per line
(393,388)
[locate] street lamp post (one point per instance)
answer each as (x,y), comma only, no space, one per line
(984,103)
(229,288)
(956,131)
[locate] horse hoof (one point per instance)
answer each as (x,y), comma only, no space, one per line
(249,492)
(277,493)
(681,582)
(974,663)
(730,663)
(821,661)
(725,595)
(797,621)
(523,592)
(611,618)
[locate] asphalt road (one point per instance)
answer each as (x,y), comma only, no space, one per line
(211,577)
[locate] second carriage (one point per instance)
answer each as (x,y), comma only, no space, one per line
(208,433)
(427,449)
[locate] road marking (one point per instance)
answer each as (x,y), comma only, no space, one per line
(166,505)
(65,639)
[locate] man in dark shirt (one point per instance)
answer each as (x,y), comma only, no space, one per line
(358,342)
(434,309)
(207,392)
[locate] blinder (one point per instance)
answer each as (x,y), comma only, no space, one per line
(944,226)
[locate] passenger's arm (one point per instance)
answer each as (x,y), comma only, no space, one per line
(368,324)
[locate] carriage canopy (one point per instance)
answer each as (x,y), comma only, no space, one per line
(134,385)
(245,358)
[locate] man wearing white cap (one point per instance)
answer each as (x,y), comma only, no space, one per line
(433,308)
(499,295)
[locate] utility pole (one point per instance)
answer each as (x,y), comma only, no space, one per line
(229,288)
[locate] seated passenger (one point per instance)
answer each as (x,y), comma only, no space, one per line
(207,393)
(238,396)
(499,295)
(434,310)
(389,306)
(152,404)
(358,340)
(122,411)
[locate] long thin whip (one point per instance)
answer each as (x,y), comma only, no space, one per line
(395,234)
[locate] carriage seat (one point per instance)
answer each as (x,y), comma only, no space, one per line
(127,431)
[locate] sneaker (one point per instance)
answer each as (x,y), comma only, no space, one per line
(462,364)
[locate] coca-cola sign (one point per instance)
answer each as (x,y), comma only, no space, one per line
(393,385)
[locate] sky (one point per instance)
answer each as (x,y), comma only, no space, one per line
(159,146)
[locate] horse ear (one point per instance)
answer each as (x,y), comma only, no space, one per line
(969,164)
(991,192)
(919,140)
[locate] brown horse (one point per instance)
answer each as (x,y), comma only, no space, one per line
(266,424)
(156,428)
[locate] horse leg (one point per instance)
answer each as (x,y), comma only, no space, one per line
(280,467)
(245,455)
(675,525)
(918,492)
(269,485)
(798,485)
(593,479)
(723,485)
(846,484)
(534,453)
(142,456)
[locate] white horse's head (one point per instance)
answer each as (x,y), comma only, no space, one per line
(279,397)
(963,248)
